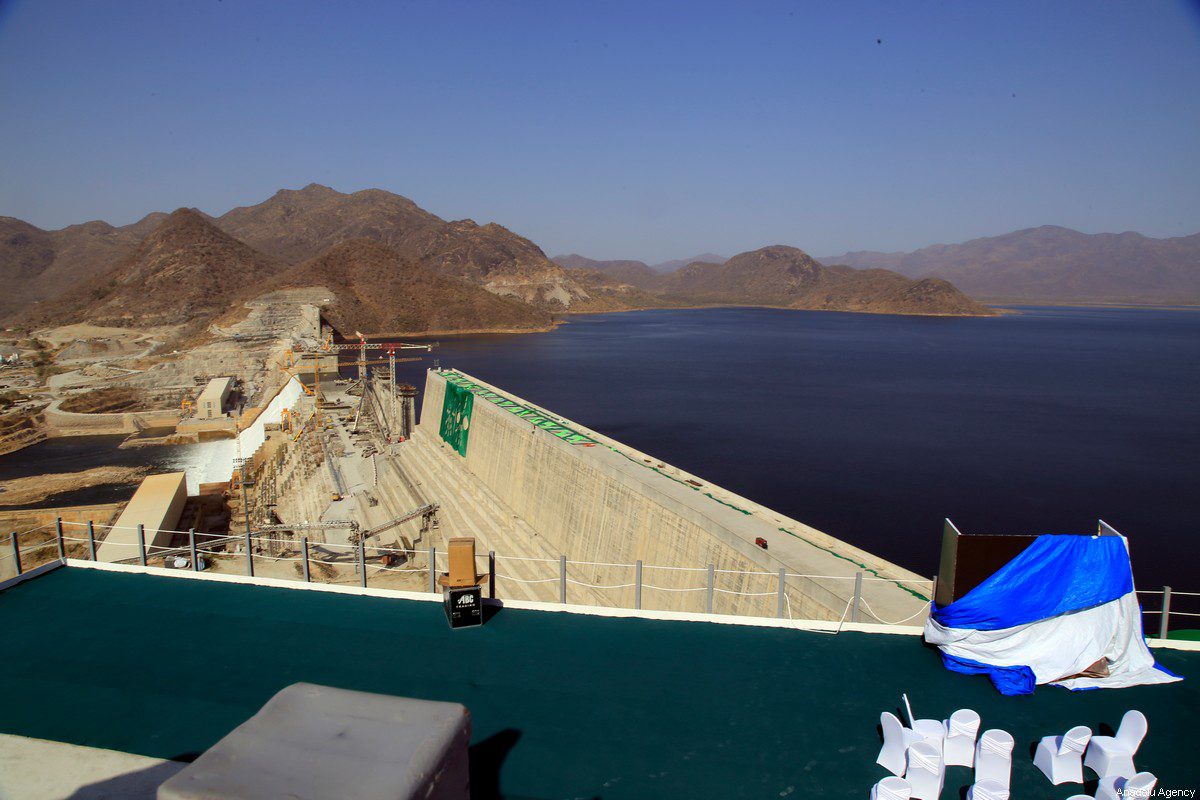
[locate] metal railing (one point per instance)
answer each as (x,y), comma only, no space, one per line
(637,586)
(1165,612)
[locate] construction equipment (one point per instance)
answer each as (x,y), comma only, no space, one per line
(187,407)
(425,512)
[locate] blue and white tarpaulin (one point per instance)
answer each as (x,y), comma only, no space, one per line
(1056,609)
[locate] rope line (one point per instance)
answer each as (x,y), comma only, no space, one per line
(600,585)
(878,618)
(519,580)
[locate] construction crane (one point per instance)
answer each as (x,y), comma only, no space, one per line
(357,535)
(425,512)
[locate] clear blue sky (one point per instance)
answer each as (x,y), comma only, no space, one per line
(617,130)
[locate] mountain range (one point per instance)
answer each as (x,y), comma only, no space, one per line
(633,272)
(393,267)
(1054,264)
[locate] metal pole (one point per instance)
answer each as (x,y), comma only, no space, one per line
(708,601)
(491,563)
(249,556)
(433,570)
(307,576)
(1164,623)
(362,563)
(62,550)
(141,530)
(92,539)
(16,552)
(637,585)
(857,597)
(192,549)
(245,500)
(781,602)
(562,579)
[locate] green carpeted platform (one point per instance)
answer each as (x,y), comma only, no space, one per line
(563,705)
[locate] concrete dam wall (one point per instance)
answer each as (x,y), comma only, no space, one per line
(596,500)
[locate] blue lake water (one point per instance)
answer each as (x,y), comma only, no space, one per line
(874,428)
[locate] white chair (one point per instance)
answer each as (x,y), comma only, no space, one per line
(932,731)
(1114,787)
(987,789)
(891,788)
(926,772)
(961,730)
(1060,758)
(993,757)
(896,739)
(1113,755)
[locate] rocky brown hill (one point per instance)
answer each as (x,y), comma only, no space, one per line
(634,273)
(295,226)
(379,291)
(185,271)
(38,265)
(1050,264)
(424,274)
(789,278)
(663,267)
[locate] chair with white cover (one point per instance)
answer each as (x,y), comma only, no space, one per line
(1113,755)
(993,757)
(896,739)
(931,730)
(961,730)
(1114,787)
(926,772)
(987,789)
(891,788)
(1060,758)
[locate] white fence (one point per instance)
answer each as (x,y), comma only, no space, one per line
(637,586)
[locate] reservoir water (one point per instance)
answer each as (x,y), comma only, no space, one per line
(77,453)
(874,428)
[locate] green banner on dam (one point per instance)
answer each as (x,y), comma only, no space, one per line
(456,417)
(533,416)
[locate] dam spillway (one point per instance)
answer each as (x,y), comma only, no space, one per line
(561,488)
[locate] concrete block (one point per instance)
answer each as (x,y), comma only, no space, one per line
(311,742)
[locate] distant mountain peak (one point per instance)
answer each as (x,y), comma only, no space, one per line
(1051,263)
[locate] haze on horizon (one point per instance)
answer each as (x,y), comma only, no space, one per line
(617,130)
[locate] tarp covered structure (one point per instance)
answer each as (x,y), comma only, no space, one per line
(1063,605)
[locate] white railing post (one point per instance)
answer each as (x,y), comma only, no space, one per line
(712,585)
(781,602)
(1164,625)
(857,597)
(16,546)
(249,555)
(637,585)
(433,570)
(307,576)
(58,532)
(192,549)
(92,539)
(362,562)
(562,579)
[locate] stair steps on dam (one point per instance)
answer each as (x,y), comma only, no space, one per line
(471,510)
(464,516)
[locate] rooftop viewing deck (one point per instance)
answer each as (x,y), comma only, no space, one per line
(563,704)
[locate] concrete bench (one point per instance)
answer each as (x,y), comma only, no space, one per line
(313,741)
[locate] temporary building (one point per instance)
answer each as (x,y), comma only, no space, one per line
(1062,611)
